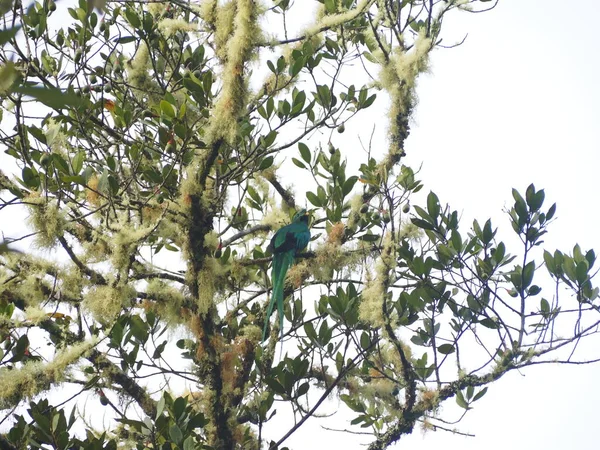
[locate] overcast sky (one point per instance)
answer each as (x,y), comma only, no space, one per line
(518,102)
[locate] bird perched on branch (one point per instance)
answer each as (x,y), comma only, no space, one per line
(285,245)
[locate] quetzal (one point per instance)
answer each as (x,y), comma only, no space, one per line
(285,244)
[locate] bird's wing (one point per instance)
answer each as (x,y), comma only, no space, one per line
(289,238)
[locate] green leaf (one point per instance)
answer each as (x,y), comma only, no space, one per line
(534,199)
(269,138)
(266,163)
(310,331)
(296,67)
(139,328)
(489,323)
(527,276)
(167,109)
(179,407)
(520,206)
(534,290)
(30,177)
(274,385)
(124,39)
(482,392)
(280,63)
(352,403)
(302,389)
(298,104)
(175,434)
(582,272)
(103,182)
(312,197)
(549,260)
(304,152)
(470,391)
(77,162)
(8,34)
(298,163)
(433,205)
(368,102)
(446,349)
(551,212)
(349,184)
(50,96)
(133,18)
(365,340)
(422,224)
(369,237)
(189,443)
(160,406)
(456,240)
(460,400)
(60,163)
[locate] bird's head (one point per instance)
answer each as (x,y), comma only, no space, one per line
(301,216)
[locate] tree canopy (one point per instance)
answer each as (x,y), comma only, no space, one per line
(160,144)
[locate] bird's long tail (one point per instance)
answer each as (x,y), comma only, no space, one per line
(281,264)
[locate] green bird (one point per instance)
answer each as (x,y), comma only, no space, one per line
(284,245)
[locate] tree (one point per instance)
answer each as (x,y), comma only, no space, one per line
(157,139)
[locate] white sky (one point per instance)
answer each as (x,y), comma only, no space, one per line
(517,103)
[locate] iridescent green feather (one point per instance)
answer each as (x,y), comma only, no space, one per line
(285,244)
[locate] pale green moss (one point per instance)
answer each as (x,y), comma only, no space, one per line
(223,23)
(29,286)
(411,232)
(72,281)
(207,10)
(335,20)
(169,301)
(275,218)
(240,49)
(105,303)
(356,203)
(261,184)
(252,332)
(210,279)
(370,309)
(46,219)
(379,389)
(56,139)
(371,305)
(125,243)
(430,399)
(211,240)
(156,8)
(30,289)
(35,314)
(96,251)
(171,231)
(399,77)
(139,78)
(190,185)
(171,26)
(330,257)
(36,377)
(409,65)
